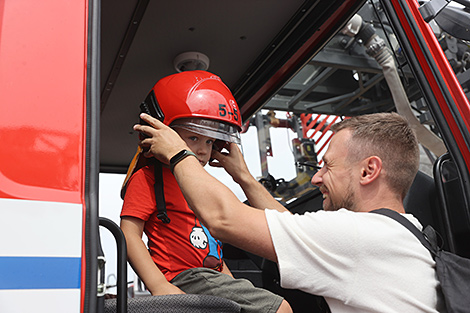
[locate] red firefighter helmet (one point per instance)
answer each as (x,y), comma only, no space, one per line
(197,101)
(200,102)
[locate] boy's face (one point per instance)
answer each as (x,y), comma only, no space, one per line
(200,145)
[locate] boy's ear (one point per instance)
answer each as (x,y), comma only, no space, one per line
(371,169)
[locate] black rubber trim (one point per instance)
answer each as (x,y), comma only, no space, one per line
(131,31)
(92,158)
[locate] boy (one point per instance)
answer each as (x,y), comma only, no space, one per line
(184,257)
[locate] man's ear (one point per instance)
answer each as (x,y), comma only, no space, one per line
(371,168)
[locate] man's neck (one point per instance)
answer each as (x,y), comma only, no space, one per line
(374,204)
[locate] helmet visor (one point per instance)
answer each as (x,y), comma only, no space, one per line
(209,128)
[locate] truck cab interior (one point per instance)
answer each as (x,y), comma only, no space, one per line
(314,63)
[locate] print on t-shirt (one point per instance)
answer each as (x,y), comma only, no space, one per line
(199,238)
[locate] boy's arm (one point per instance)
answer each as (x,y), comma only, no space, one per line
(234,163)
(140,259)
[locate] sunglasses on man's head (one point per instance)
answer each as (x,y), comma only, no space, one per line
(308,165)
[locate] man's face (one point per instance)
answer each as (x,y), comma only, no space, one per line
(335,178)
(200,145)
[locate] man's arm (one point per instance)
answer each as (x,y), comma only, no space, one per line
(141,261)
(218,208)
(234,163)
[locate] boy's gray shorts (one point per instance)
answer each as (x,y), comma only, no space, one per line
(210,282)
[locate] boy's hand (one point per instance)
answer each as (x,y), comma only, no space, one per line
(232,161)
(162,142)
(167,289)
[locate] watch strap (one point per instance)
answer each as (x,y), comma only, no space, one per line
(180,156)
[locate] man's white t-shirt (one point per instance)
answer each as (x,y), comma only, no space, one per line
(360,262)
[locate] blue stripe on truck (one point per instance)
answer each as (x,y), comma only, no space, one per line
(39,273)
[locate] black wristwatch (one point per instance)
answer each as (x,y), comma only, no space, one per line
(179,157)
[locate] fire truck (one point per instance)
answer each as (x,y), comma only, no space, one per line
(72,76)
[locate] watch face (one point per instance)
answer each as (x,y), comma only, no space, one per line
(178,156)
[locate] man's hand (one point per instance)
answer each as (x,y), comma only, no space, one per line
(233,162)
(162,142)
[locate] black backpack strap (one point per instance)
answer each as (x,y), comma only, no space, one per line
(159,193)
(407,224)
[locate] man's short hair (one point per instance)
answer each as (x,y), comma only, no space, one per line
(390,137)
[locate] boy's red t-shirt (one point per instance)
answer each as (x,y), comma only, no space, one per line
(183,243)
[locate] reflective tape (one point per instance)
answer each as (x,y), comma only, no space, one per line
(39,273)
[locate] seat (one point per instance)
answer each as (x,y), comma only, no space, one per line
(188,303)
(439,202)
(422,201)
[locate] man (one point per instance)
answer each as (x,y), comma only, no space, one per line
(360,262)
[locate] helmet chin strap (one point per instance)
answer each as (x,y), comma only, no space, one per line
(159,192)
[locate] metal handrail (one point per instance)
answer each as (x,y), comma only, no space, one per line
(121,263)
(437,171)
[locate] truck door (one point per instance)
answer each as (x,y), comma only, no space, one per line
(48,172)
